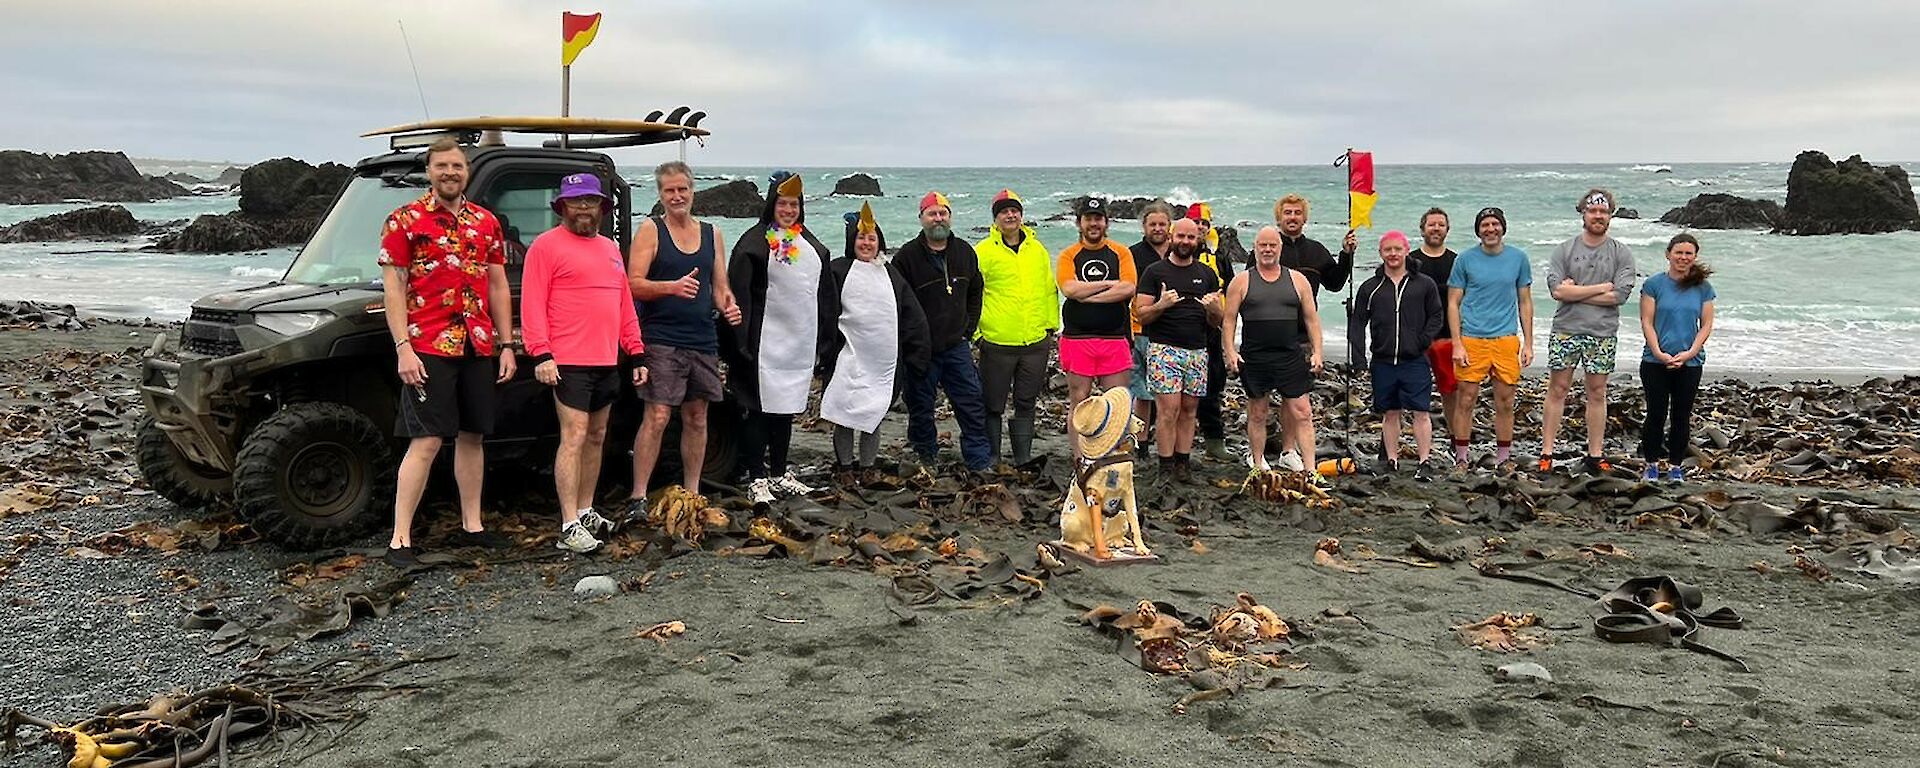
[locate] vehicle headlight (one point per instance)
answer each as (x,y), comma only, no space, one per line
(291,323)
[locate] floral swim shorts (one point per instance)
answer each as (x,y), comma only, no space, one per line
(1175,370)
(1595,354)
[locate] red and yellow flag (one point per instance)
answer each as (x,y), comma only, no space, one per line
(576,33)
(1360,194)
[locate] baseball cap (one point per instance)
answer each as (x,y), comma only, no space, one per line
(1092,206)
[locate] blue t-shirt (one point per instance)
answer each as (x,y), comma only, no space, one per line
(1676,316)
(1491,307)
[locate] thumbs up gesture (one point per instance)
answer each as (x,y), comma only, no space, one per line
(689,286)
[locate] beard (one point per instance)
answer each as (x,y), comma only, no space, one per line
(1185,250)
(584,226)
(937,231)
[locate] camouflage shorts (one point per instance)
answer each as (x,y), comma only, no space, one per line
(1594,354)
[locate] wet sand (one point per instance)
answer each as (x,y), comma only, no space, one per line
(785,663)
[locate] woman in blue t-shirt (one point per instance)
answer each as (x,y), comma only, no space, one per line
(1676,316)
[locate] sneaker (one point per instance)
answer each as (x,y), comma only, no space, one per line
(760,491)
(403,558)
(1291,462)
(1386,467)
(575,538)
(1652,474)
(594,523)
(634,514)
(1595,465)
(480,540)
(791,486)
(1260,464)
(1677,475)
(1422,473)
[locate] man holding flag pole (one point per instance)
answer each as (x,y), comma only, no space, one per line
(1360,200)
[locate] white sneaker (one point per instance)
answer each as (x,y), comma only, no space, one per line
(1259,465)
(1291,462)
(760,491)
(575,538)
(791,486)
(594,523)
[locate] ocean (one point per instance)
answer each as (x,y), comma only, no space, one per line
(1833,303)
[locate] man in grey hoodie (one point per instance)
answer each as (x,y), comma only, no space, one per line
(1590,276)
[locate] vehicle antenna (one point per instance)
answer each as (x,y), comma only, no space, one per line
(416,69)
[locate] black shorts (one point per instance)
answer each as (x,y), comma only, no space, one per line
(1404,386)
(676,375)
(1282,373)
(457,397)
(587,387)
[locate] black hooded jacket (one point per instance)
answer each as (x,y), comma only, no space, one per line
(747,275)
(1404,319)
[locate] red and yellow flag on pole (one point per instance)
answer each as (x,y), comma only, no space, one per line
(1360,194)
(576,33)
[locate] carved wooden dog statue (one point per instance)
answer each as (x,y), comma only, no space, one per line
(1101,499)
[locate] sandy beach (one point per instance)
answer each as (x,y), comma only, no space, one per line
(930,659)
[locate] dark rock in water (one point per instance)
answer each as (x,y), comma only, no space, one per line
(98,222)
(34,314)
(1663,170)
(1117,208)
(221,233)
(167,227)
(1849,197)
(1230,250)
(28,178)
(858,185)
(281,203)
(186,179)
(287,187)
(1626,213)
(738,199)
(1718,210)
(230,176)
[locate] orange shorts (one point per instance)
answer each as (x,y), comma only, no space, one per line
(1500,357)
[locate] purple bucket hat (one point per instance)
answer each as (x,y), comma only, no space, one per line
(580,185)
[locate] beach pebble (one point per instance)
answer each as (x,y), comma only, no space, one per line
(597,586)
(1522,671)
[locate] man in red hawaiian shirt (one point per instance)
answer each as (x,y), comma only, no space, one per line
(449,311)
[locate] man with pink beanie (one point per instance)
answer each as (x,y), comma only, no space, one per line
(1402,309)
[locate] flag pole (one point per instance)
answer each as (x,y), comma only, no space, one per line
(566,98)
(1346,403)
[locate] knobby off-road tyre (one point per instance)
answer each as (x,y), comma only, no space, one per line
(172,475)
(314,475)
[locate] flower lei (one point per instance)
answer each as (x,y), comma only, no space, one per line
(783,244)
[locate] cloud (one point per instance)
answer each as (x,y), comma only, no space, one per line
(874,83)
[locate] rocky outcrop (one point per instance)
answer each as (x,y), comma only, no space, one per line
(34,314)
(857,185)
(1626,213)
(103,222)
(230,176)
(1117,208)
(28,178)
(184,179)
(1848,197)
(281,203)
(1716,210)
(738,199)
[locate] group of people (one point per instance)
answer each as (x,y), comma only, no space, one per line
(1169,318)
(1456,321)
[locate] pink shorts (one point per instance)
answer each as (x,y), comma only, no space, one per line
(1094,358)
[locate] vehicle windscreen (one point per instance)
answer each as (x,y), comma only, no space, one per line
(345,250)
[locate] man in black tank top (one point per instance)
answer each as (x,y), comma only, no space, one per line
(1266,307)
(675,267)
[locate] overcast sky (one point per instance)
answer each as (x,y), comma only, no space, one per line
(988,83)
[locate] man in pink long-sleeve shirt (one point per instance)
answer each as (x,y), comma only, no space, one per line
(579,327)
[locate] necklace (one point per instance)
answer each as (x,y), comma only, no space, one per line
(783,244)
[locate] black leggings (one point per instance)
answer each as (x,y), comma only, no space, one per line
(766,438)
(1668,388)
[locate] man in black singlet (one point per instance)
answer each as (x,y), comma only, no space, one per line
(674,267)
(1268,304)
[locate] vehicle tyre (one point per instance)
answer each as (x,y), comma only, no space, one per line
(723,447)
(171,474)
(314,475)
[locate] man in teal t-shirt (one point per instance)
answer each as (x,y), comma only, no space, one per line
(1490,310)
